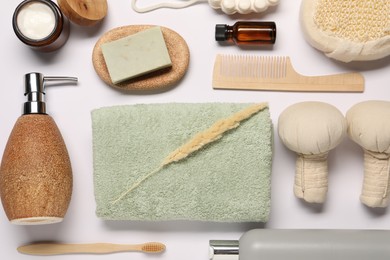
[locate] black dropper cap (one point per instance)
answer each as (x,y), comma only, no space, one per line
(220,32)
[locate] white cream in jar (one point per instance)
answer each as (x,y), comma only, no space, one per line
(41,25)
(36,20)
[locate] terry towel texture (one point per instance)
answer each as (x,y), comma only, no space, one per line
(226,181)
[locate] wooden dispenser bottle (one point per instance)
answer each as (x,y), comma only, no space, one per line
(35,173)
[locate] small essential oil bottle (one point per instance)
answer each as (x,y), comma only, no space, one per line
(247,33)
(41,25)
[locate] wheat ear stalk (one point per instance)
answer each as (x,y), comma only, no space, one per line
(201,139)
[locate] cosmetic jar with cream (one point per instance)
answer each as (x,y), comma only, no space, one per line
(41,25)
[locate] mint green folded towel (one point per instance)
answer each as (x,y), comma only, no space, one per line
(227,180)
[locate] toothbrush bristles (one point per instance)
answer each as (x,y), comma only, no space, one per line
(153,247)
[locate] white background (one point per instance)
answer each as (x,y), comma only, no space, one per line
(70,106)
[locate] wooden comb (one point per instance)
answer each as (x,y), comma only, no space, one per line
(277,73)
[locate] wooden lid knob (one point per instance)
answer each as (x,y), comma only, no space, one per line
(84,12)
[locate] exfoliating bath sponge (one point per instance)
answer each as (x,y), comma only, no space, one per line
(175,161)
(348,30)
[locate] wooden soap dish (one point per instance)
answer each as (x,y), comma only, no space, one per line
(177,49)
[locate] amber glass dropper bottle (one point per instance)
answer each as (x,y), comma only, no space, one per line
(247,33)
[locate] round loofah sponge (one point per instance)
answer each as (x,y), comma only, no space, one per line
(348,30)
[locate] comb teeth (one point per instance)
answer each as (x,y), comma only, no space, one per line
(255,67)
(153,247)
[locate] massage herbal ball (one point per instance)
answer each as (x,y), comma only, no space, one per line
(369,127)
(311,129)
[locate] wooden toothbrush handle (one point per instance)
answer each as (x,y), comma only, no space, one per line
(58,249)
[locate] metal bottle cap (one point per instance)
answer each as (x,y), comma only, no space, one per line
(224,249)
(34,84)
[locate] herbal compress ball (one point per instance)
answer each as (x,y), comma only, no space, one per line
(369,127)
(311,129)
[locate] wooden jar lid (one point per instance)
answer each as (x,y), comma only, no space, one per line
(84,12)
(177,49)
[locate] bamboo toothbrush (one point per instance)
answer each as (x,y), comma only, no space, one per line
(277,73)
(97,248)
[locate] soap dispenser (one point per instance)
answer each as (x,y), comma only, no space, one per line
(35,172)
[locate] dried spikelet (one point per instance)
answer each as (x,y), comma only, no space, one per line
(201,139)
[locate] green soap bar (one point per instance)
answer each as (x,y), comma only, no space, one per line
(136,55)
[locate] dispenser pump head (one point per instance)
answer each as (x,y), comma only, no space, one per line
(224,249)
(35,85)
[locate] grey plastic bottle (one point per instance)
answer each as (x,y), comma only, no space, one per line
(295,244)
